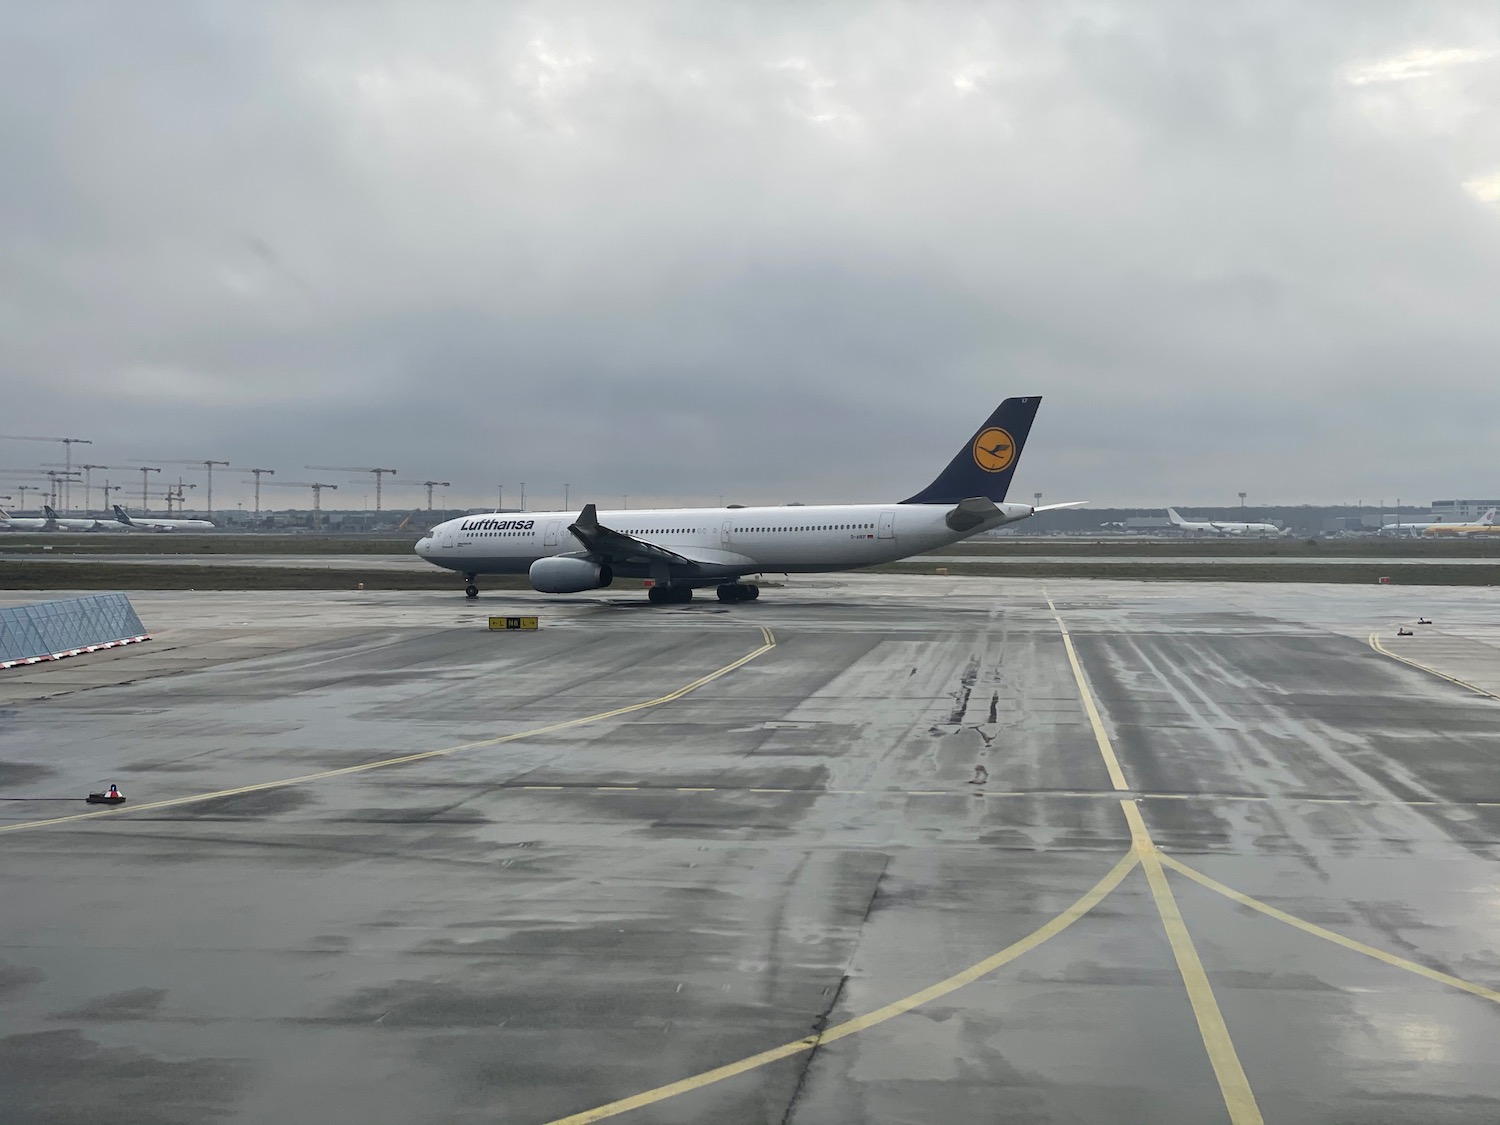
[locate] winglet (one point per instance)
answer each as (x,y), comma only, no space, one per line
(1061,507)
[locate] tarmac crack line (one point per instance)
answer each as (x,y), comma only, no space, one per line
(1234,1086)
(768,639)
(1330,935)
(820,1026)
(1090,899)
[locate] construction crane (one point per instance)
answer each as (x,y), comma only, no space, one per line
(145,496)
(208,464)
(429,485)
(317,487)
(258,474)
(59,481)
(379,474)
(67,442)
(104,490)
(179,497)
(88,486)
(22,489)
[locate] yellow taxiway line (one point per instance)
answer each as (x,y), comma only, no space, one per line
(1091,898)
(1417,664)
(1234,1087)
(1329,935)
(768,642)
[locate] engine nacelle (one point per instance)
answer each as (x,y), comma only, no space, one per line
(563,575)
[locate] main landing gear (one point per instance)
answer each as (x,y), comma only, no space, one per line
(670,595)
(738,592)
(470,590)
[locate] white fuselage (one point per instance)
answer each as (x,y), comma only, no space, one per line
(1227,528)
(139,524)
(724,543)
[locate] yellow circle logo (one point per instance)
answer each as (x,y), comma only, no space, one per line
(994,450)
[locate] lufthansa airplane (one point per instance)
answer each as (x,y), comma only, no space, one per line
(149,523)
(680,549)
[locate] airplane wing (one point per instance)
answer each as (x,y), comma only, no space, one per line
(611,546)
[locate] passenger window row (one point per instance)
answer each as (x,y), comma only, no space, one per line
(816,527)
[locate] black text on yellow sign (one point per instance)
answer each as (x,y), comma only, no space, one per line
(501,624)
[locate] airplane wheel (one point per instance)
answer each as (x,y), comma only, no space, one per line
(682,595)
(729,593)
(751,592)
(657,595)
(471,591)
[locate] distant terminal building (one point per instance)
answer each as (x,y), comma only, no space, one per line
(1461,511)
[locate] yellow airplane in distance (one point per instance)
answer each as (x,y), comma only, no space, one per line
(1485,526)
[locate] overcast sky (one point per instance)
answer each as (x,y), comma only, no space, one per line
(771,252)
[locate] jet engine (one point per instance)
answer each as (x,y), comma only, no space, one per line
(564,575)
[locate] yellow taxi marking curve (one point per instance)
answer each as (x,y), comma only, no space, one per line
(1234,1087)
(1417,664)
(768,643)
(1057,925)
(1329,935)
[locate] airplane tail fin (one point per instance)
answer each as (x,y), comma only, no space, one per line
(1488,518)
(121,516)
(1177,520)
(984,466)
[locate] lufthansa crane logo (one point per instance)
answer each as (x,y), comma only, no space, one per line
(994,450)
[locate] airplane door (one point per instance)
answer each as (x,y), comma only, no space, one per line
(887,525)
(724,534)
(448,538)
(552,529)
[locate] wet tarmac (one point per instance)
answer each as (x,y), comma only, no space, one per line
(880,861)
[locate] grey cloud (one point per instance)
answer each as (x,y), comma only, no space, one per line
(770,252)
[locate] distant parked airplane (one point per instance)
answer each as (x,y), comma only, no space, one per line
(151,523)
(68,523)
(1222,527)
(1425,527)
(26,523)
(1485,526)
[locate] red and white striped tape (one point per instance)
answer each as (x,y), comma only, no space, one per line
(75,651)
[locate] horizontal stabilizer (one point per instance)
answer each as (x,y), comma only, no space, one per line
(1060,507)
(971,513)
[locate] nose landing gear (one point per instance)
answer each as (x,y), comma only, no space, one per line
(470,590)
(738,592)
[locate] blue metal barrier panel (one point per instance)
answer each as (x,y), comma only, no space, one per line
(67,627)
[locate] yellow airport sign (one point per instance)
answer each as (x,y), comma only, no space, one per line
(502,624)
